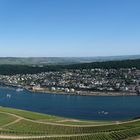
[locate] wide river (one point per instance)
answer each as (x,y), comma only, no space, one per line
(80,107)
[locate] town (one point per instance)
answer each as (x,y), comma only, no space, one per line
(96,81)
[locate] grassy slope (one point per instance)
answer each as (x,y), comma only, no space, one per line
(30,125)
(5,119)
(28,114)
(51,118)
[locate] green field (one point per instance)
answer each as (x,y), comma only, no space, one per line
(19,124)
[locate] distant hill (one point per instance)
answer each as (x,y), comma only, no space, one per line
(31,69)
(116,64)
(60,60)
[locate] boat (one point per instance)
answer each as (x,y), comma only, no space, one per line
(8,96)
(19,89)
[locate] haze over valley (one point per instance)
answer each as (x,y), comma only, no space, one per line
(61,60)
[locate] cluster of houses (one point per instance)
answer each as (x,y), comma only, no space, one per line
(72,81)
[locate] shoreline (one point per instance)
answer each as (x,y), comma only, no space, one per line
(53,95)
(80,93)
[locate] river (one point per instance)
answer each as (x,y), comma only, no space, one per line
(79,107)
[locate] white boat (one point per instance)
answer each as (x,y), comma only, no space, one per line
(8,96)
(19,89)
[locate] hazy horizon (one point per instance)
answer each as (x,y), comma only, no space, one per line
(68,56)
(69,28)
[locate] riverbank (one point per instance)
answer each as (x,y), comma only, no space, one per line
(86,93)
(80,93)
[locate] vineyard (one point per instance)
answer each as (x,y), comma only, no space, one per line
(18,124)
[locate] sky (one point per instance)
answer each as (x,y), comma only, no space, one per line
(69,28)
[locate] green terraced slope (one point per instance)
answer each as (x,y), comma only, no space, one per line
(19,124)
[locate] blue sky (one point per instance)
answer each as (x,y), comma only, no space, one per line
(69,27)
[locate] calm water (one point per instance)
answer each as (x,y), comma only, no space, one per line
(82,107)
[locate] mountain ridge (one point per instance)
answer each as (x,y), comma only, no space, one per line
(61,60)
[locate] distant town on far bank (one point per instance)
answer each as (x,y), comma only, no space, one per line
(103,76)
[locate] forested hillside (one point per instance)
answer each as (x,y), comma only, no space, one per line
(25,69)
